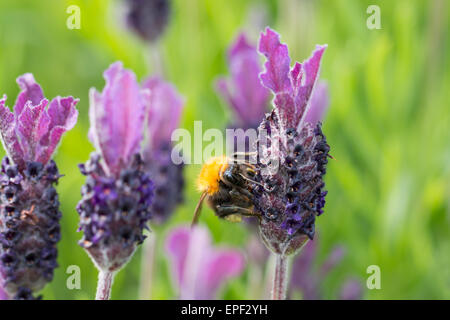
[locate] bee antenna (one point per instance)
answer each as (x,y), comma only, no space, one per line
(331,157)
(198,209)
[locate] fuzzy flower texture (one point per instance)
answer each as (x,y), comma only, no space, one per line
(293,153)
(29,205)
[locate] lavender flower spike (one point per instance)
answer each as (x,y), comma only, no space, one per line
(292,155)
(29,206)
(166,107)
(244,91)
(198,269)
(117,195)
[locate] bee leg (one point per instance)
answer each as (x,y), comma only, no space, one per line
(240,199)
(232,186)
(224,211)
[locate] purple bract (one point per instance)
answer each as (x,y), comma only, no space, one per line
(243,91)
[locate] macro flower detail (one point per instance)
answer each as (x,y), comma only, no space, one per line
(292,154)
(148,18)
(199,270)
(164,115)
(117,195)
(29,205)
(243,91)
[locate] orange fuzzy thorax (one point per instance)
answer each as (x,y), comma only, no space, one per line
(208,180)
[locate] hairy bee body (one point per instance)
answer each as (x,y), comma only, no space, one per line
(225,183)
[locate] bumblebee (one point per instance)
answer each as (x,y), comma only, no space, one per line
(226,184)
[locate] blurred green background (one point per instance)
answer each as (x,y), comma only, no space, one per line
(388,124)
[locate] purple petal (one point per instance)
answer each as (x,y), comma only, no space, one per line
(166,106)
(310,75)
(318,105)
(276,74)
(32,125)
(31,91)
(222,266)
(244,91)
(198,269)
(117,117)
(8,135)
(292,88)
(177,245)
(33,131)
(63,117)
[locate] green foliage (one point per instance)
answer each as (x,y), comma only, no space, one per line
(388,124)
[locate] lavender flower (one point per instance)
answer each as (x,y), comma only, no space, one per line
(292,193)
(198,269)
(244,92)
(29,205)
(307,280)
(166,106)
(148,18)
(117,195)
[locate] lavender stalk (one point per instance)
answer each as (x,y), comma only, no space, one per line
(280,279)
(105,281)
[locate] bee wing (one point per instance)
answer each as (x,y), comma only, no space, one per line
(198,209)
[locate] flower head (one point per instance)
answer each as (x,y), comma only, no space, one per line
(293,152)
(244,92)
(148,18)
(198,269)
(29,206)
(166,107)
(117,195)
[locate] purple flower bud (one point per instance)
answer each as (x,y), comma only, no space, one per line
(244,92)
(148,18)
(293,152)
(29,205)
(117,194)
(198,269)
(166,106)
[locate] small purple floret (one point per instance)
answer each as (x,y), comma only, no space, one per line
(114,212)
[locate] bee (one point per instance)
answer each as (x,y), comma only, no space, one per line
(226,184)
